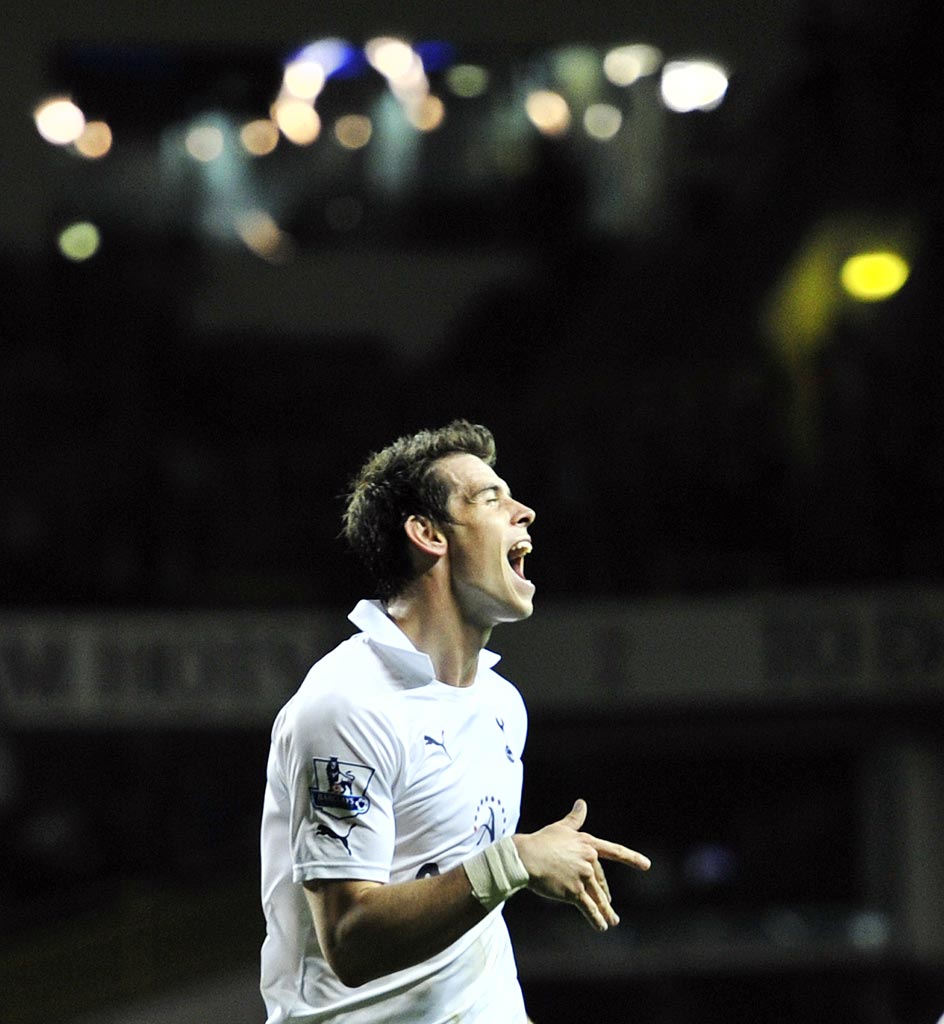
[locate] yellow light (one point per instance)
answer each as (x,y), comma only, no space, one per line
(428,114)
(467,80)
(297,120)
(259,137)
(205,142)
(548,112)
(874,276)
(59,121)
(95,141)
(79,241)
(601,121)
(353,131)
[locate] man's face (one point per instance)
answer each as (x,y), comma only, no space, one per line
(488,539)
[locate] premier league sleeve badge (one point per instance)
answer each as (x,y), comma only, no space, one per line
(339,788)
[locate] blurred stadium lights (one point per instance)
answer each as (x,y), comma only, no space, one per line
(864,256)
(297,119)
(333,101)
(205,142)
(874,276)
(260,136)
(844,262)
(601,121)
(548,112)
(467,80)
(689,85)
(95,140)
(624,65)
(59,121)
(79,241)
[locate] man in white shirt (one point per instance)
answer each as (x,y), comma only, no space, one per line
(394,776)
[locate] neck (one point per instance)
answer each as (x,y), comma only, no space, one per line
(435,628)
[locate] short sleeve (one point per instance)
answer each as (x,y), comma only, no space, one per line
(341,763)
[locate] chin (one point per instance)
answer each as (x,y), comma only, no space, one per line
(519,612)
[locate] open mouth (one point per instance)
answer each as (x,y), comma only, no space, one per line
(516,557)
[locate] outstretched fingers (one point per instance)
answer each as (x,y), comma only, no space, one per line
(623,854)
(594,902)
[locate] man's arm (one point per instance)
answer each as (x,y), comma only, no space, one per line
(367,930)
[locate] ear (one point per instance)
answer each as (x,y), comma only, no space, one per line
(425,536)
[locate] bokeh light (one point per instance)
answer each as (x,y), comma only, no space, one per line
(205,142)
(304,79)
(393,58)
(298,121)
(353,131)
(625,65)
(427,114)
(95,140)
(331,55)
(264,237)
(601,121)
(259,137)
(689,85)
(467,80)
(59,121)
(548,112)
(79,241)
(874,276)
(577,70)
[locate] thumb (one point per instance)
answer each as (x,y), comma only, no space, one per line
(577,815)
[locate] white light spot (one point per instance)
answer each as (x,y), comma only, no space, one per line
(59,121)
(689,85)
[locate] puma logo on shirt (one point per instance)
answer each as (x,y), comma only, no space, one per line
(324,830)
(430,742)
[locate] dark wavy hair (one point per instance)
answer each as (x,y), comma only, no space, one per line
(398,482)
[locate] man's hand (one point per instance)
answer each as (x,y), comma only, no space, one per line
(564,864)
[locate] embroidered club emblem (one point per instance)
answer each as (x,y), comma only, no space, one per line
(490,822)
(340,787)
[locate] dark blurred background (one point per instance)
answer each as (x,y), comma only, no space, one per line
(735,454)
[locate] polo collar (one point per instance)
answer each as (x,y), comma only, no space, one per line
(395,647)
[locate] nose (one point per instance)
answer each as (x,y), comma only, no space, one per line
(524,515)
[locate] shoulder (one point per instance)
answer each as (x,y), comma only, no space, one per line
(349,691)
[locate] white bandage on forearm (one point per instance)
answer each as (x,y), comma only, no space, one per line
(496,873)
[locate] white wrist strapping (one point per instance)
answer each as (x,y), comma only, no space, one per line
(496,873)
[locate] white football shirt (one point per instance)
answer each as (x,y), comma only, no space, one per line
(378,771)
